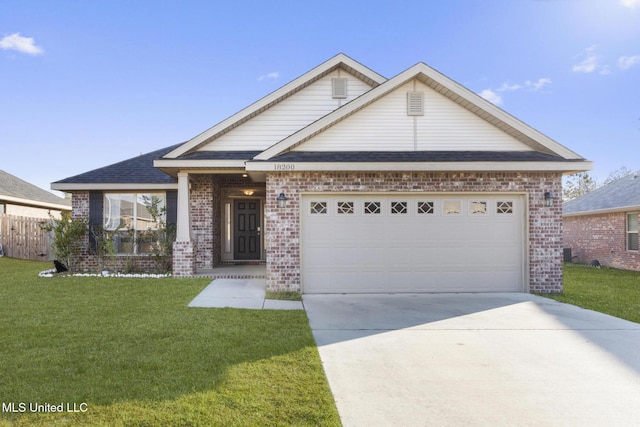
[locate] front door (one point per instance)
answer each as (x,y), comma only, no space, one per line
(247,229)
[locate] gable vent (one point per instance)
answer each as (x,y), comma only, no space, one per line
(415,104)
(339,88)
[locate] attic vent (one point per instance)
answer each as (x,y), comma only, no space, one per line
(339,88)
(415,104)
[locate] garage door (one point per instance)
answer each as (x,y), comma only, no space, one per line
(412,243)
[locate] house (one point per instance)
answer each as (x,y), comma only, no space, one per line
(20,198)
(345,181)
(603,225)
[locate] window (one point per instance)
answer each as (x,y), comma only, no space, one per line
(632,232)
(450,207)
(318,208)
(345,208)
(2,208)
(135,218)
(425,207)
(478,207)
(398,207)
(504,207)
(372,208)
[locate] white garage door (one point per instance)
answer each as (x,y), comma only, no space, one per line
(412,243)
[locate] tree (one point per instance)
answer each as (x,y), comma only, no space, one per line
(617,174)
(578,185)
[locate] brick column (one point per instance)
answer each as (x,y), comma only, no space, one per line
(184,249)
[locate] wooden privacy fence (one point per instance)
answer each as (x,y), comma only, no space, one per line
(21,237)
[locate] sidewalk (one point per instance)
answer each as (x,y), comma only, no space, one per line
(240,293)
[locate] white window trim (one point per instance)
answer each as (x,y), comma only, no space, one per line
(630,232)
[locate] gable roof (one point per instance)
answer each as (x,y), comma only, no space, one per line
(447,87)
(16,190)
(339,61)
(136,173)
(529,149)
(618,196)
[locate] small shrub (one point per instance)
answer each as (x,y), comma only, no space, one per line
(68,234)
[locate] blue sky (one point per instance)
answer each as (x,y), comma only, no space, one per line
(85,84)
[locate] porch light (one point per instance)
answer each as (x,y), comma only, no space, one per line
(248,192)
(548,198)
(281,200)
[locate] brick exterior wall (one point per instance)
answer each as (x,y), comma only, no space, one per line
(204,219)
(600,237)
(184,256)
(283,225)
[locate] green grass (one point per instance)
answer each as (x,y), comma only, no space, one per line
(134,352)
(614,292)
(283,295)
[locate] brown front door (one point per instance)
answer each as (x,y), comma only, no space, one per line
(247,229)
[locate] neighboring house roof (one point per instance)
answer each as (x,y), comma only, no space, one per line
(18,191)
(618,196)
(135,173)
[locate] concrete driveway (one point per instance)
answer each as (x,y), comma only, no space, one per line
(475,359)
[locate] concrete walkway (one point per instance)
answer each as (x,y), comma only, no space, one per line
(475,360)
(240,293)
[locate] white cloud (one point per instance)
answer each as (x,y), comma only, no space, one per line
(626,62)
(539,84)
(631,4)
(509,87)
(271,76)
(589,63)
(491,96)
(21,44)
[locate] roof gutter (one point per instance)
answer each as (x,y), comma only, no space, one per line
(568,167)
(34,203)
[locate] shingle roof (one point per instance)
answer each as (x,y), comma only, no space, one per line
(137,170)
(624,192)
(220,155)
(12,186)
(416,156)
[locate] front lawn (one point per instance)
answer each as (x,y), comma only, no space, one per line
(614,292)
(130,352)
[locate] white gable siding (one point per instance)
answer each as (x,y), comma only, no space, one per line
(385,126)
(288,116)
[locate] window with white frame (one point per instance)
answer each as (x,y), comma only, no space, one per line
(632,232)
(131,216)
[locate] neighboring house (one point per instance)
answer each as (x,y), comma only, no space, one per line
(603,225)
(344,181)
(19,198)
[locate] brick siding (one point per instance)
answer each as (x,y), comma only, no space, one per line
(204,219)
(600,237)
(283,225)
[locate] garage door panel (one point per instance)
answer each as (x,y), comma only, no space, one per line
(419,248)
